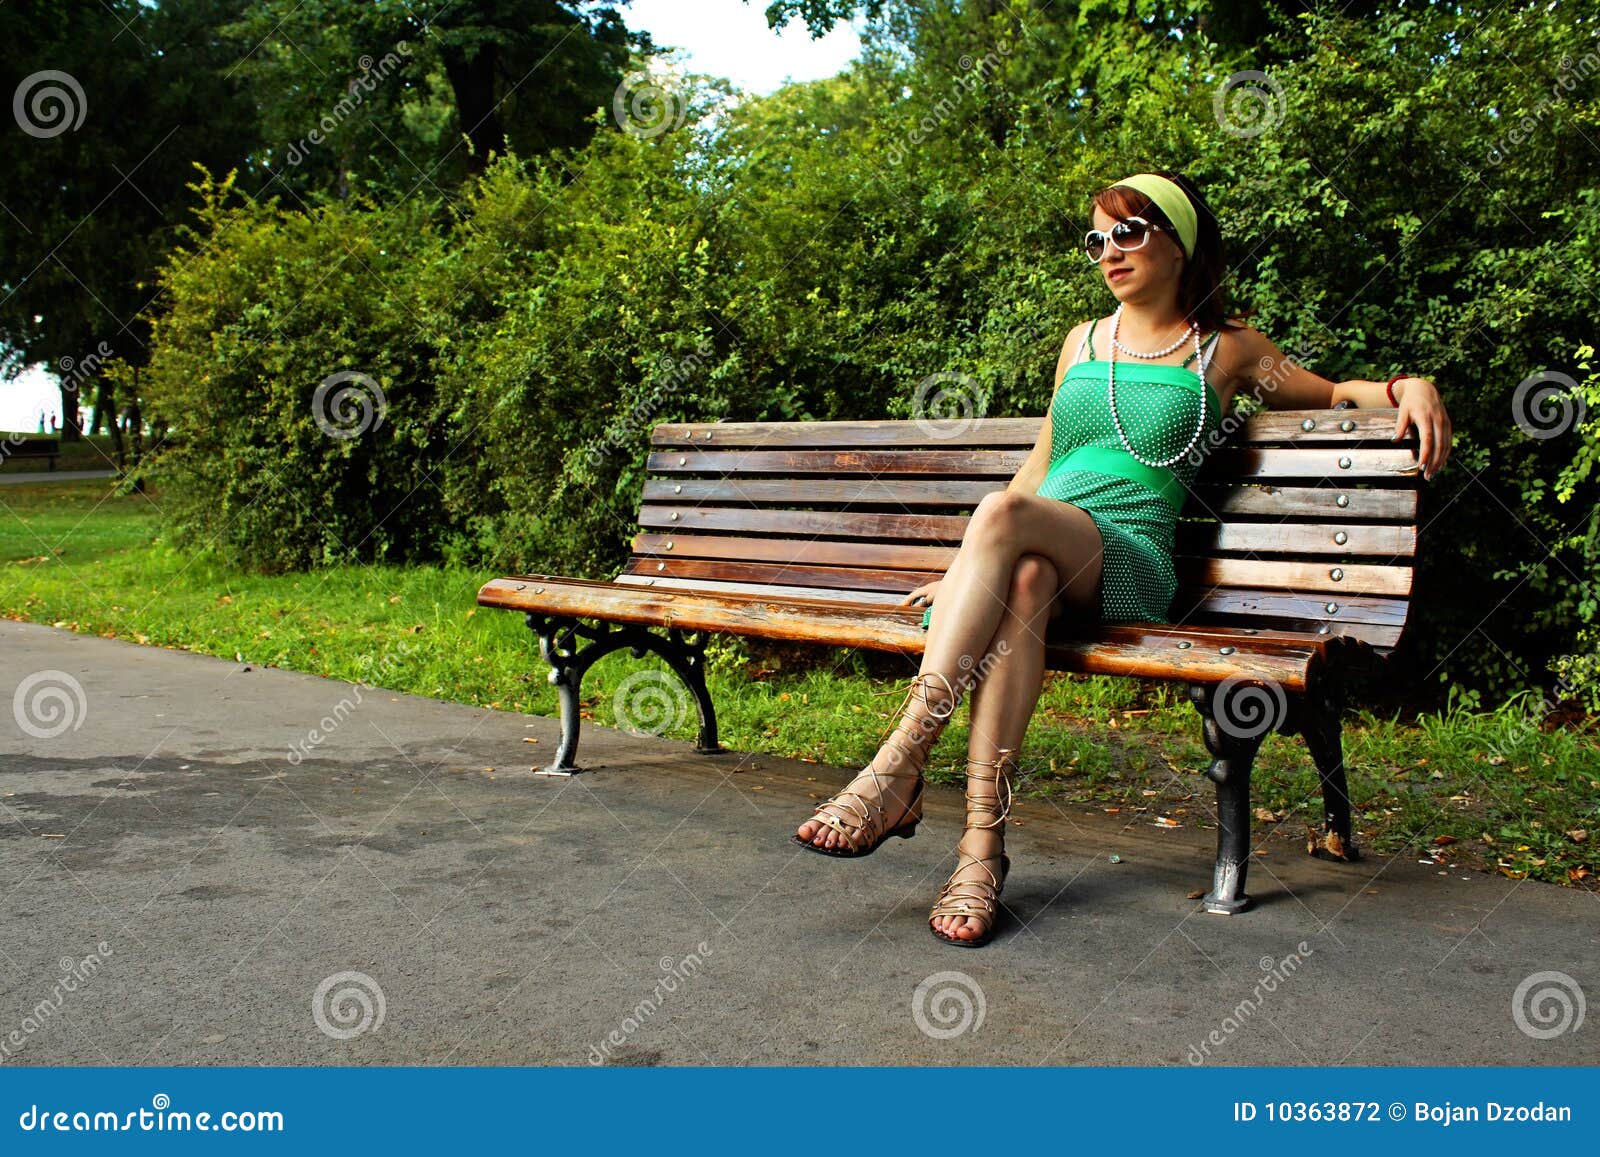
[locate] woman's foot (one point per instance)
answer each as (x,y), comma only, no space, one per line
(885,793)
(969,903)
(974,885)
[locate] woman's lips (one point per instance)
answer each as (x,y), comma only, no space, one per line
(1115,274)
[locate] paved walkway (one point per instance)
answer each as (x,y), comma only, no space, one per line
(17,478)
(494,917)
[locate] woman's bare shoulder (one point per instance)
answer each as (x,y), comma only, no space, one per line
(1069,348)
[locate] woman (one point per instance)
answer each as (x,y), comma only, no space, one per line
(1087,524)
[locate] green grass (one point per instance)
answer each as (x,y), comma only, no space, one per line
(1490,791)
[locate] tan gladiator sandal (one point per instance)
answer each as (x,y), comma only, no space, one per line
(979,899)
(862,831)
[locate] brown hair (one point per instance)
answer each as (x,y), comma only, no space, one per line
(1202,294)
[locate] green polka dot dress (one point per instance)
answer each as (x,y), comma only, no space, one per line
(1135,507)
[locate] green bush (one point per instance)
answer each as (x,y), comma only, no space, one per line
(293,369)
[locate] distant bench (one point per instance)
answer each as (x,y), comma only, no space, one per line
(30,448)
(1294,559)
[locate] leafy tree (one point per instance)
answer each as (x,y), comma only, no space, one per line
(477,78)
(89,191)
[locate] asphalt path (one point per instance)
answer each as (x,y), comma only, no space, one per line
(207,863)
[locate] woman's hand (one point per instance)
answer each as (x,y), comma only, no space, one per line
(1421,406)
(924,593)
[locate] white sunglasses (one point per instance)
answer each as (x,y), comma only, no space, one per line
(1126,235)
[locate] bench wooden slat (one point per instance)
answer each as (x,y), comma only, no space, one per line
(1244,463)
(1355,578)
(841,463)
(836,524)
(786,591)
(817,551)
(1246,602)
(1106,649)
(1381,639)
(1265,538)
(938,492)
(1395,542)
(1274,502)
(1342,465)
(1362,503)
(1265,426)
(783,573)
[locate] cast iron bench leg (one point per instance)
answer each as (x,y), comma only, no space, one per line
(557,646)
(1319,720)
(1233,729)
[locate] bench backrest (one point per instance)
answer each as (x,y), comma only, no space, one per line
(1300,521)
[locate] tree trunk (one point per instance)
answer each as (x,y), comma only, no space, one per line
(472,81)
(105,413)
(71,428)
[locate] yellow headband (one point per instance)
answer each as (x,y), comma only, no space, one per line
(1170,198)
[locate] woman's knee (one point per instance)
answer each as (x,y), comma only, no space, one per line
(995,516)
(1034,582)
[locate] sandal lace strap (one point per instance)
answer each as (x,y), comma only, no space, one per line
(969,897)
(865,815)
(991,811)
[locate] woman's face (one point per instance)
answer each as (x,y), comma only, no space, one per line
(1138,275)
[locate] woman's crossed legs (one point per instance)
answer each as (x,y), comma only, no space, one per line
(1023,560)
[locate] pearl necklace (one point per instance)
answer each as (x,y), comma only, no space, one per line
(1111,390)
(1182,337)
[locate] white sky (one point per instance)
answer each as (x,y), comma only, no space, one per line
(728,38)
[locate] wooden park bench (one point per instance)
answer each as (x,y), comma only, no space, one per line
(1294,559)
(30,448)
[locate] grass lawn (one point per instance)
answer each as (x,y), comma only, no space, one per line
(1487,792)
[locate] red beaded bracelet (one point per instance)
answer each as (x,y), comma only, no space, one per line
(1393,401)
